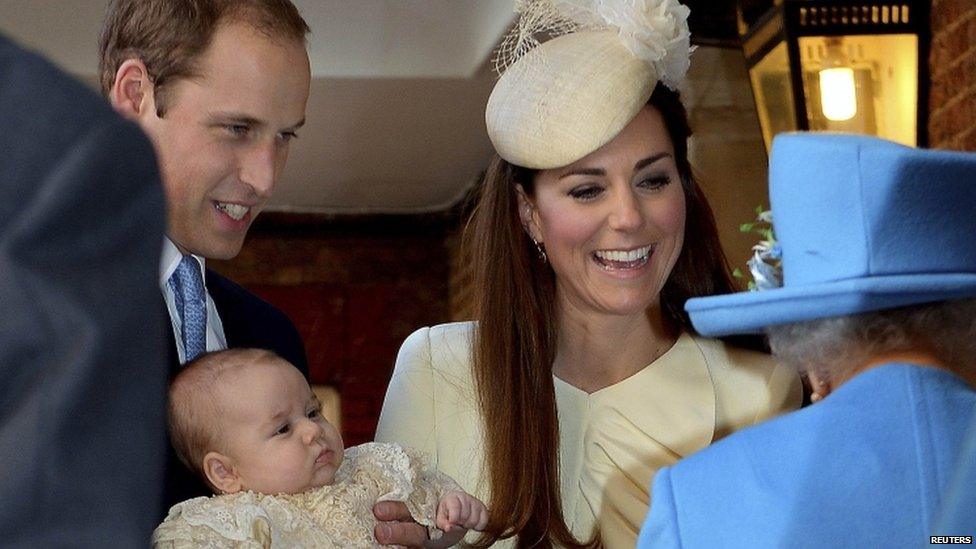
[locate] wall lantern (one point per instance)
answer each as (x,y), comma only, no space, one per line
(856,66)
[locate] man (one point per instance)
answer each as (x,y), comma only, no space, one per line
(878,306)
(220,87)
(81,396)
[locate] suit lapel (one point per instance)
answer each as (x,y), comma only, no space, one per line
(172,352)
(219,291)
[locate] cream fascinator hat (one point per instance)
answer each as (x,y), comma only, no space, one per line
(558,101)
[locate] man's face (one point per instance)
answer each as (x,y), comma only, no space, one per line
(223,138)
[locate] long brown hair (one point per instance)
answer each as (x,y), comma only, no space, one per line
(515,342)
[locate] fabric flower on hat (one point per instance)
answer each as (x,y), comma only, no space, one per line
(655,31)
(559,100)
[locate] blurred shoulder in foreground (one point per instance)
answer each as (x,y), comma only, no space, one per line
(82,358)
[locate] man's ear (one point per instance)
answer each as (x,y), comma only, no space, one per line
(221,473)
(133,93)
(528,214)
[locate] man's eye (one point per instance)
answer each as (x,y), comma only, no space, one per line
(283,430)
(287,136)
(585,193)
(239,130)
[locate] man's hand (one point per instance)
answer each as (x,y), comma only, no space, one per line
(396,526)
(456,513)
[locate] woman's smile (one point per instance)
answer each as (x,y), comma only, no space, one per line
(623,259)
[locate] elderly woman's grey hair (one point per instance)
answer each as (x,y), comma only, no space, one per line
(833,348)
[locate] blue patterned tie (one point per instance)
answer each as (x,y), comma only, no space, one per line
(191,302)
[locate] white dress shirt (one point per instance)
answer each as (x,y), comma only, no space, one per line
(171,257)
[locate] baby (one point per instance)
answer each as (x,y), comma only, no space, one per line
(247,422)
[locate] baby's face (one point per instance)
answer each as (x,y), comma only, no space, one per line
(274,432)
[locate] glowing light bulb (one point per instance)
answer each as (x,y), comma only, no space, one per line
(838,95)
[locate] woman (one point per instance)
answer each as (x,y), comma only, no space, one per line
(882,314)
(582,376)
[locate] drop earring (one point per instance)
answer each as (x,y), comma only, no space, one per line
(541,249)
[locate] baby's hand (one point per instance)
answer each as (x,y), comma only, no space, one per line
(461,509)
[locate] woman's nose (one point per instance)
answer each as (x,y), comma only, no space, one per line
(625,213)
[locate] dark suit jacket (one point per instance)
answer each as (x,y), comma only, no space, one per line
(249,322)
(82,354)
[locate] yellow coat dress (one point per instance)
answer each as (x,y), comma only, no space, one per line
(612,441)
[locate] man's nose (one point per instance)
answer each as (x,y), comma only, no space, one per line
(259,167)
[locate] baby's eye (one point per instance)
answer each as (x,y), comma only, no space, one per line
(283,430)
(313,413)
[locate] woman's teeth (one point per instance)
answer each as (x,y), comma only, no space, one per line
(619,259)
(234,211)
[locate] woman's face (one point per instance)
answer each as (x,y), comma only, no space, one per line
(612,223)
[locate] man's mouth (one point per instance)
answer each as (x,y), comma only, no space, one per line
(623,259)
(233,211)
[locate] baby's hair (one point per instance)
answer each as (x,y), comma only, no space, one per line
(194,409)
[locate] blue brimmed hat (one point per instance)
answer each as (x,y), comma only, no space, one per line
(863,225)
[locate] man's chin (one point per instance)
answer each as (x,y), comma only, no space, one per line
(217,249)
(225,254)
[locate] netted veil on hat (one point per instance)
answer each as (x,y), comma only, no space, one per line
(560,100)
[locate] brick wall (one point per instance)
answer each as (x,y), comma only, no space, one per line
(355,290)
(952,100)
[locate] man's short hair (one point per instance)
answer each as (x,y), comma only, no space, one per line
(170,35)
(194,409)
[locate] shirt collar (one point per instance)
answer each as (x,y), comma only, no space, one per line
(170,258)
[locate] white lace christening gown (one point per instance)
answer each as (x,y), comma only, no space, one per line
(338,515)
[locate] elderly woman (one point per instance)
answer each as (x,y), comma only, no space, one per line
(583,375)
(878,306)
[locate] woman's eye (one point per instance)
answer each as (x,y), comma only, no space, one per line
(585,193)
(283,430)
(655,182)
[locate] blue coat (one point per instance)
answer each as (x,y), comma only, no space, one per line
(866,467)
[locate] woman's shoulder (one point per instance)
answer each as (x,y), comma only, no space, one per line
(441,347)
(451,333)
(726,356)
(750,376)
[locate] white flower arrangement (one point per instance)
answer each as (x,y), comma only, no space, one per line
(655,31)
(765,265)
